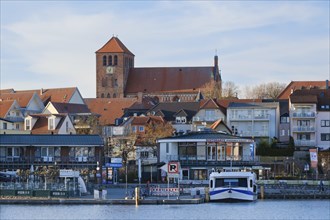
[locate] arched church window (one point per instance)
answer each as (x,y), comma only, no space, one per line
(104,60)
(115,60)
(110,60)
(108,96)
(114,95)
(102,95)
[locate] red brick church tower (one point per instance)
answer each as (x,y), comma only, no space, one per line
(113,63)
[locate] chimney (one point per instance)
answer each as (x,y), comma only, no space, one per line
(326,84)
(41,91)
(216,61)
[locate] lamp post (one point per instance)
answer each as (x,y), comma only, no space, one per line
(98,172)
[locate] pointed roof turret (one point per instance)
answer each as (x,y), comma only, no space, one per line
(114,45)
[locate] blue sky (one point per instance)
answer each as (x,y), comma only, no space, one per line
(52,44)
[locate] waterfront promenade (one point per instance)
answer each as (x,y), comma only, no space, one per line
(117,194)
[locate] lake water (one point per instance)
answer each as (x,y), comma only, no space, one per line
(262,209)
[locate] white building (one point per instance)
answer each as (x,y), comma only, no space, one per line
(256,120)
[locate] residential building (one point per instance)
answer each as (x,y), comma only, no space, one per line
(12,117)
(209,112)
(117,76)
(310,114)
(179,114)
(254,120)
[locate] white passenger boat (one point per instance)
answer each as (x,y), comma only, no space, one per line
(233,185)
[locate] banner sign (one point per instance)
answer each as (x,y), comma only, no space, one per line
(313,157)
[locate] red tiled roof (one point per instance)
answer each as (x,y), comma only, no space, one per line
(22,98)
(6,91)
(156,79)
(4,107)
(114,45)
(109,108)
(54,95)
(144,120)
(297,85)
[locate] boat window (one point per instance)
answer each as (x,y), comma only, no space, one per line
(232,182)
(211,184)
(251,183)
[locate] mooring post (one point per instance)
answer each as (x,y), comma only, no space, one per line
(137,196)
(262,191)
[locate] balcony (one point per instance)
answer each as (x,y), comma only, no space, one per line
(250,117)
(303,129)
(303,114)
(198,119)
(246,133)
(307,143)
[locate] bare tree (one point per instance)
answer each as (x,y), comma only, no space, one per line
(230,90)
(211,90)
(264,91)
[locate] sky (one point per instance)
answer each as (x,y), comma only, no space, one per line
(52,44)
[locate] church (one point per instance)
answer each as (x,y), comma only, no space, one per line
(117,77)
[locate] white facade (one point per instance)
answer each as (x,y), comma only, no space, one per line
(254,119)
(303,124)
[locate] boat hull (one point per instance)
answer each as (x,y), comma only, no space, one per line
(232,194)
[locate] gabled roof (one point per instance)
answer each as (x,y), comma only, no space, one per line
(51,140)
(70,108)
(54,95)
(5,107)
(114,45)
(181,113)
(218,123)
(209,104)
(162,79)
(109,108)
(169,109)
(6,91)
(23,98)
(298,85)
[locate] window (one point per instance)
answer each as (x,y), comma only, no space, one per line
(303,136)
(283,132)
(27,124)
(325,123)
(325,137)
(51,123)
(67,127)
(110,61)
(284,120)
(144,154)
(167,148)
(104,60)
(303,123)
(108,96)
(134,129)
(17,126)
(4,125)
(115,60)
(155,153)
(209,114)
(141,128)
(233,182)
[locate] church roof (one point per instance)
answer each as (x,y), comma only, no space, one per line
(114,45)
(161,79)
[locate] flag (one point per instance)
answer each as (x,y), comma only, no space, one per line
(313,157)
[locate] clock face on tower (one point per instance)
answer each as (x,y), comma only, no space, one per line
(110,70)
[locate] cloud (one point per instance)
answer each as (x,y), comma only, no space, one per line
(55,45)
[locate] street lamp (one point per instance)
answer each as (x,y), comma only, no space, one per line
(98,172)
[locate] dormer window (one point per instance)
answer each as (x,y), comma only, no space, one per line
(141,128)
(51,123)
(27,124)
(181,120)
